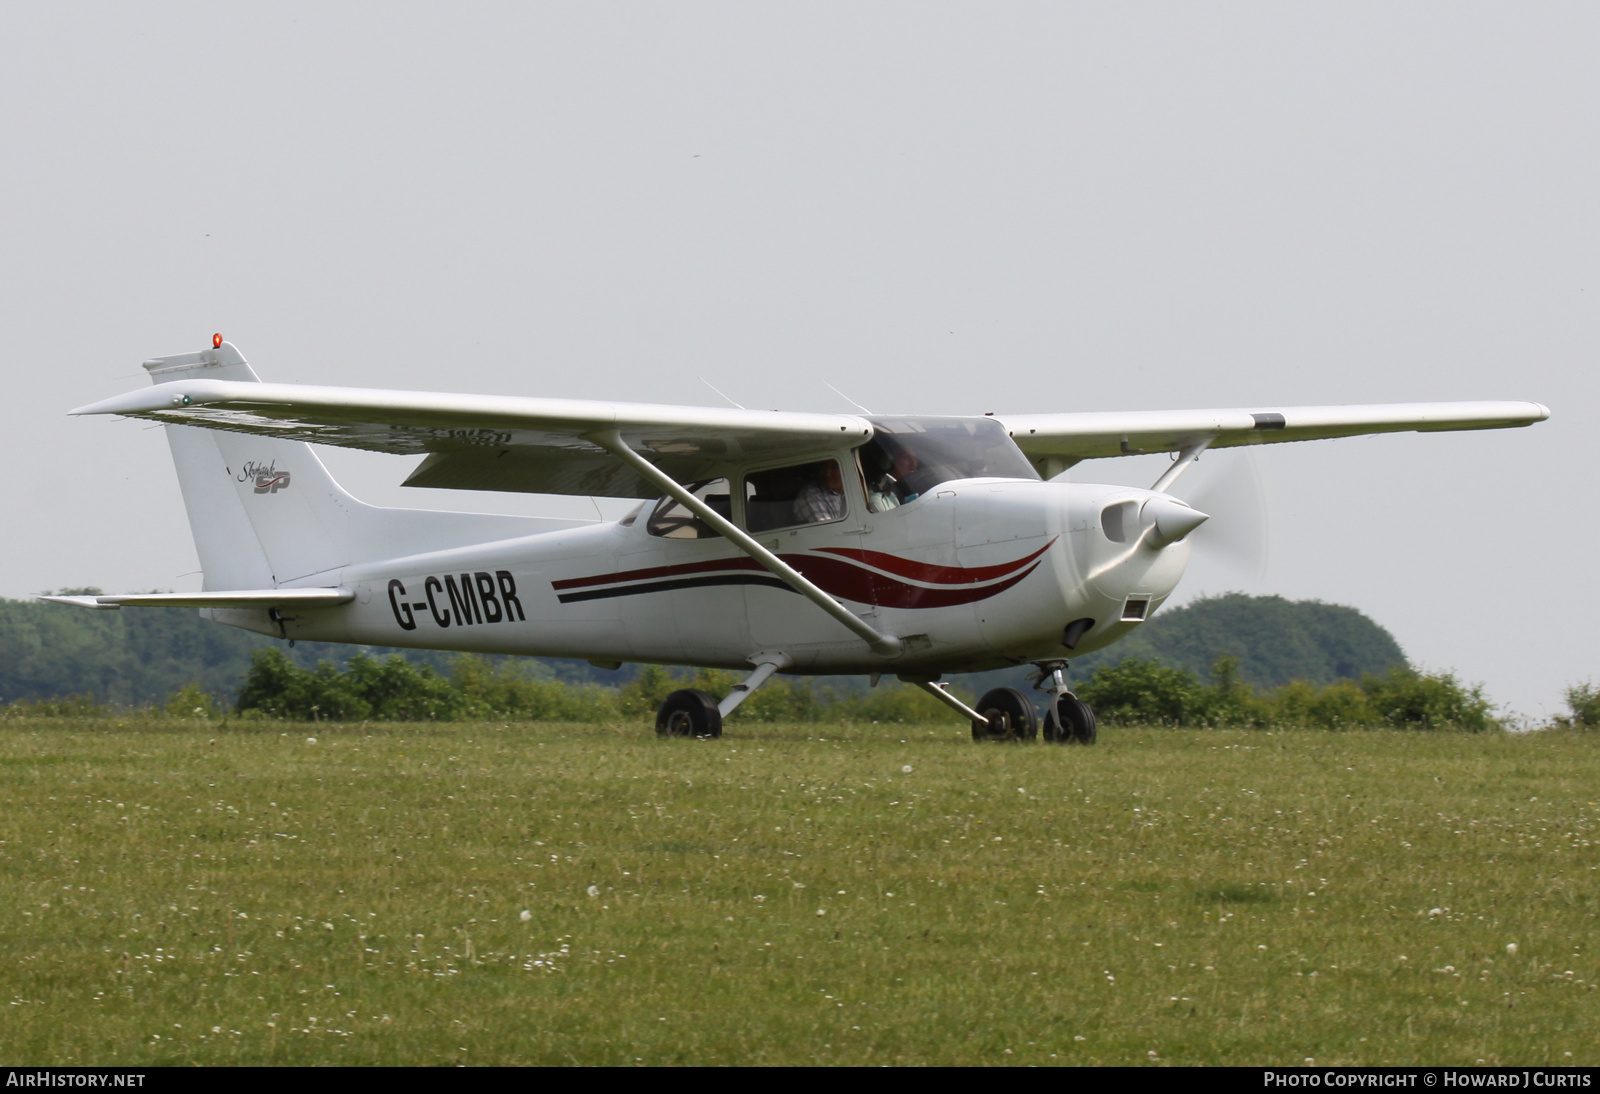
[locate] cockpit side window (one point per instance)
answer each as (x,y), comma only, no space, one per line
(672,520)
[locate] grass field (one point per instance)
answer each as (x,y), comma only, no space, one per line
(190,893)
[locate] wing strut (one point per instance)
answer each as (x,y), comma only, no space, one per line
(611,440)
(1189,454)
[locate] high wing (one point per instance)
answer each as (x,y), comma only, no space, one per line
(553,446)
(488,442)
(1054,442)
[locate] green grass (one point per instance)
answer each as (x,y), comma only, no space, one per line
(187,893)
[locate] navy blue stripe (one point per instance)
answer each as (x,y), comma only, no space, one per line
(682,583)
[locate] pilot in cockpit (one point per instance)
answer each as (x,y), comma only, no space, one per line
(887,485)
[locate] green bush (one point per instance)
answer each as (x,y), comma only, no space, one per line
(1584,702)
(192,701)
(395,690)
(1230,701)
(1416,700)
(513,692)
(1342,704)
(391,689)
(644,693)
(1135,692)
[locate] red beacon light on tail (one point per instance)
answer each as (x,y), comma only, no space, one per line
(216,341)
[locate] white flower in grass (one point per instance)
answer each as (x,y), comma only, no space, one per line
(594,890)
(525,915)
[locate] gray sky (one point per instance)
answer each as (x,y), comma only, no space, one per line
(935,207)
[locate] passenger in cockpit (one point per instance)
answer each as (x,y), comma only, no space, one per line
(822,498)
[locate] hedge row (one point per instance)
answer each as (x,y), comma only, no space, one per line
(394,689)
(1148,693)
(1133,692)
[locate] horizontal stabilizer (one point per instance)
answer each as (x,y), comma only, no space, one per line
(244,598)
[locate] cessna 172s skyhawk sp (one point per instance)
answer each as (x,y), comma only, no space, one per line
(778,542)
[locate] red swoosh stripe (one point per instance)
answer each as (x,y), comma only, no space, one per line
(846,578)
(839,578)
(931,573)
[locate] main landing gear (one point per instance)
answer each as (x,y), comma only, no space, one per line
(689,713)
(1006,714)
(692,713)
(1003,714)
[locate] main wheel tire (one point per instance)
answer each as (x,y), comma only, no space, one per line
(689,713)
(1008,716)
(1077,721)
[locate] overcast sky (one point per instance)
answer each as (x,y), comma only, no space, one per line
(947,208)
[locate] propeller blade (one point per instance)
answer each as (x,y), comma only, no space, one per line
(1230,490)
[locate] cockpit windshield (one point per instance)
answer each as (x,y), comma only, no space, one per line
(907,457)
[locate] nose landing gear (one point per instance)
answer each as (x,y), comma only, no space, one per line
(1067,719)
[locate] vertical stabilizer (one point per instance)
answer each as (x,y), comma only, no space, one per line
(265,512)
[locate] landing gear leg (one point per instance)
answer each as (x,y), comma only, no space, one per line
(1003,714)
(692,713)
(1067,719)
(766,664)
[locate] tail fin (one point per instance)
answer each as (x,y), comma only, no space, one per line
(265,512)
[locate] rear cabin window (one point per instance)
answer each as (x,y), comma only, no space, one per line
(791,497)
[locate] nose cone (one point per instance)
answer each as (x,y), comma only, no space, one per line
(1169,520)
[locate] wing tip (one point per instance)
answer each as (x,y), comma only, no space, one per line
(92,602)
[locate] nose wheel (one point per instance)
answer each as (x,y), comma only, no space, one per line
(1074,722)
(1068,720)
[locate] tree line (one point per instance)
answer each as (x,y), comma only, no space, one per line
(1131,692)
(1231,660)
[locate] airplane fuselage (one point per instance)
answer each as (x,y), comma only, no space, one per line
(976,574)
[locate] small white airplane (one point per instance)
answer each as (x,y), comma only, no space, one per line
(772,542)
